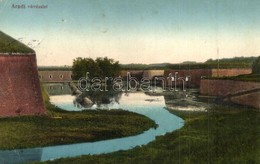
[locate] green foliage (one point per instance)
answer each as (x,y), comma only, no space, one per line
(83,65)
(189,62)
(236,62)
(224,134)
(10,45)
(53,68)
(256,66)
(246,77)
(70,127)
(101,67)
(108,67)
(189,66)
(132,66)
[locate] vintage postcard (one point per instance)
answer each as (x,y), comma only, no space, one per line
(129,81)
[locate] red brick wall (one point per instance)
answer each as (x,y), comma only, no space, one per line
(225,87)
(198,74)
(252,99)
(195,75)
(20,92)
(230,72)
(244,93)
(134,73)
(150,74)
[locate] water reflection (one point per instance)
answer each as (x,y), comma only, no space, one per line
(20,156)
(57,88)
(111,100)
(135,102)
(185,101)
(151,106)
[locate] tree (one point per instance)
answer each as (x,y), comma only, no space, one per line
(101,67)
(83,65)
(77,68)
(109,67)
(256,66)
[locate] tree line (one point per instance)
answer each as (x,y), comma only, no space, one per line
(107,67)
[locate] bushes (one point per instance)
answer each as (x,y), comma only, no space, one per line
(101,67)
(256,66)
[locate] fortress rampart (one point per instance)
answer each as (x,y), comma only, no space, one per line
(240,92)
(20,90)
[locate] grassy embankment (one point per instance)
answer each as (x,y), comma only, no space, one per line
(246,77)
(61,127)
(224,134)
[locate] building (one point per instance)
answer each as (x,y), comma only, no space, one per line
(55,75)
(151,74)
(194,76)
(20,91)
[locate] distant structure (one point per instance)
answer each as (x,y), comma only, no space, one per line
(150,74)
(195,75)
(20,92)
(55,75)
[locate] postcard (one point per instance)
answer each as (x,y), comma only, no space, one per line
(129,81)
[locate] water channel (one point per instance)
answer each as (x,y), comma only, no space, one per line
(141,103)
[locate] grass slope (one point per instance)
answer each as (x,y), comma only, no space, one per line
(61,127)
(246,77)
(10,45)
(226,134)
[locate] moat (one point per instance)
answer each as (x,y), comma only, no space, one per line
(152,106)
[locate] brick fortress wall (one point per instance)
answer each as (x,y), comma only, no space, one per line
(230,72)
(194,75)
(225,87)
(239,92)
(20,91)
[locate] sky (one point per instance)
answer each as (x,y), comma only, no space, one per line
(134,31)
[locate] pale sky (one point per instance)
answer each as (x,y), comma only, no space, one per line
(135,31)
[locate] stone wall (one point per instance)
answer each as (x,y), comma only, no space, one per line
(195,75)
(150,74)
(249,99)
(224,88)
(240,92)
(20,91)
(134,73)
(230,72)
